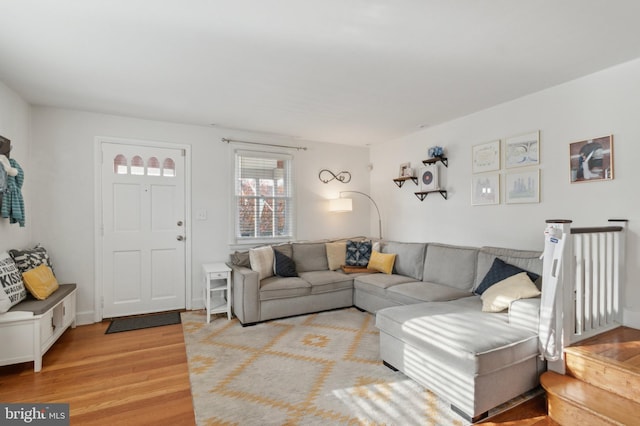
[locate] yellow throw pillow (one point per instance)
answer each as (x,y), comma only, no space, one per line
(382,262)
(40,281)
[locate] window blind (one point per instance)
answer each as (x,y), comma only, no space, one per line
(263,196)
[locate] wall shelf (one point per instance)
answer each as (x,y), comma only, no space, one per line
(400,181)
(423,194)
(443,160)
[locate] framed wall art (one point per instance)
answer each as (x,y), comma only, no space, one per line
(486,157)
(485,189)
(429,178)
(405,170)
(591,160)
(522,187)
(522,150)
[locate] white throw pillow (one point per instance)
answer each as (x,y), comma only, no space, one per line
(499,296)
(336,254)
(261,260)
(11,284)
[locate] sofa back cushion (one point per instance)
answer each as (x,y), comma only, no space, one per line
(524,259)
(450,265)
(409,258)
(310,257)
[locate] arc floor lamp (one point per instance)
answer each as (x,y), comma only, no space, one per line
(345,205)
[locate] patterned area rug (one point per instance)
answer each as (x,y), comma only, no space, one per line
(316,369)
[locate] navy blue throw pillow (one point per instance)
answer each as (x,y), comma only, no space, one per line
(283,265)
(358,253)
(499,271)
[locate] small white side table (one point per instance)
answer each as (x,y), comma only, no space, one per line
(217,289)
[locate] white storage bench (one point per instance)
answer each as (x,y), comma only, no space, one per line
(32,326)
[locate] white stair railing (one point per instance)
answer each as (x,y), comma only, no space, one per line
(590,284)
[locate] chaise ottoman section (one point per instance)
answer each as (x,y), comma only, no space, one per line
(473,359)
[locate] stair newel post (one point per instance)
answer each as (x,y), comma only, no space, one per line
(557,304)
(619,279)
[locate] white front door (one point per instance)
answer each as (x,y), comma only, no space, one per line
(143,229)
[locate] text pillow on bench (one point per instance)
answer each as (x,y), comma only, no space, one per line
(12,290)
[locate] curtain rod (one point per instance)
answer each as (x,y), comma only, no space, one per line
(303,148)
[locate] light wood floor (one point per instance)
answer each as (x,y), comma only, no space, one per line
(131,378)
(138,378)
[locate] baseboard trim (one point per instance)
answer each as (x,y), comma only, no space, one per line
(631,318)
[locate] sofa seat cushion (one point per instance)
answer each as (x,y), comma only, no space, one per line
(421,291)
(378,283)
(281,287)
(327,281)
(460,335)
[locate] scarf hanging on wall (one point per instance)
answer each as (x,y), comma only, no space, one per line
(12,202)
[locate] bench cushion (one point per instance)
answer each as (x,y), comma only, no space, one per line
(39,307)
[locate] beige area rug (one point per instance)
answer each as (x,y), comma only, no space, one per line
(318,369)
(315,369)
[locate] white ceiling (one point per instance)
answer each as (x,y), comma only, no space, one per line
(341,71)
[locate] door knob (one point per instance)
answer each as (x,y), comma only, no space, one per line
(180,238)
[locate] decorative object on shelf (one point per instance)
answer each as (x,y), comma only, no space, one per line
(340,205)
(327,176)
(485,157)
(522,150)
(485,189)
(591,160)
(405,170)
(406,173)
(429,179)
(435,151)
(522,187)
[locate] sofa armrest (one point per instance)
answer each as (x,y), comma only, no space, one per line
(246,294)
(525,313)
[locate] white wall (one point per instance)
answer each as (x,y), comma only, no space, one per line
(14,125)
(597,105)
(63,163)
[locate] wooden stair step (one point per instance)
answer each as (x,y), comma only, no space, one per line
(571,401)
(613,365)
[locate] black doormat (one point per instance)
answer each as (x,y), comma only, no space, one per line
(145,321)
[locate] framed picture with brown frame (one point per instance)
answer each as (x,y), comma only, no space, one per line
(591,160)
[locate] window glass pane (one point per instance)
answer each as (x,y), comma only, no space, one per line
(168,167)
(137,166)
(120,165)
(153,167)
(263,196)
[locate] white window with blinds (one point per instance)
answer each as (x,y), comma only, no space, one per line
(263,197)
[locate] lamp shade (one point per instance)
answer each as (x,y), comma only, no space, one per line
(340,205)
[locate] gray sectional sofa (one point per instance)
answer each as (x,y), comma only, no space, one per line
(432,327)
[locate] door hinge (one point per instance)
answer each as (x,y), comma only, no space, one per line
(102,302)
(183,152)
